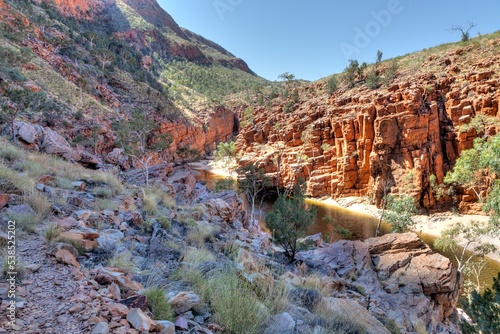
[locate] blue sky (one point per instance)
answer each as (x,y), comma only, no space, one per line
(315,38)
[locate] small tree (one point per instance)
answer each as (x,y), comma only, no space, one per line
(378,60)
(289,221)
(225,152)
(288,77)
(252,181)
(105,57)
(383,188)
(295,95)
(483,310)
(140,141)
(19,101)
(464,32)
(399,212)
(350,72)
(473,250)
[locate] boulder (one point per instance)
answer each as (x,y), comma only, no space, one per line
(184,301)
(227,205)
(281,323)
(168,327)
(140,321)
(4,200)
(101,328)
(66,257)
(109,237)
(21,209)
(114,291)
(49,141)
(117,309)
(122,279)
(398,271)
(218,207)
(181,323)
(84,236)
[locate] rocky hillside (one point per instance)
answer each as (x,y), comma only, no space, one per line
(83,67)
(100,254)
(359,141)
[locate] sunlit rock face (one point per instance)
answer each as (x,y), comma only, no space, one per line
(400,275)
(357,141)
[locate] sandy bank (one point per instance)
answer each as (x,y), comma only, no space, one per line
(432,225)
(214,167)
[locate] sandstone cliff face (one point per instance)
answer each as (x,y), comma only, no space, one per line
(356,142)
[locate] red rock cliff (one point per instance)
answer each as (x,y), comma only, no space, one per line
(356,141)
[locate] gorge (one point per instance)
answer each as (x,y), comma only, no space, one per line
(115,233)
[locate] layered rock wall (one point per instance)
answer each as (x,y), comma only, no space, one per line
(362,142)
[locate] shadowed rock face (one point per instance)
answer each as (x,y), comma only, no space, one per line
(399,273)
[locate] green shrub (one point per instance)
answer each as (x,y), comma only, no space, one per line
(483,310)
(198,233)
(235,305)
(288,107)
(13,182)
(224,184)
(123,260)
(225,151)
(75,243)
(399,212)
(52,232)
(150,203)
(25,221)
(11,153)
(350,72)
(295,95)
(103,192)
(289,220)
(373,81)
(276,297)
(332,85)
(391,73)
(158,303)
(196,256)
(38,202)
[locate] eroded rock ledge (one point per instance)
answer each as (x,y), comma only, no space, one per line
(400,276)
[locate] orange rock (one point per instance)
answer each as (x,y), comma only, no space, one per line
(4,200)
(66,257)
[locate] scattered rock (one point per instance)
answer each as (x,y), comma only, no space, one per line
(184,301)
(66,257)
(139,320)
(168,327)
(114,291)
(4,200)
(79,185)
(181,323)
(101,328)
(138,301)
(281,323)
(109,237)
